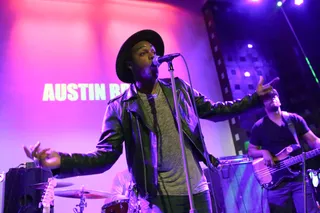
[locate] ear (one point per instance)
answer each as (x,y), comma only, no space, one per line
(129,65)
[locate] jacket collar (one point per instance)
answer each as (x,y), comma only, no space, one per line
(135,105)
(132,93)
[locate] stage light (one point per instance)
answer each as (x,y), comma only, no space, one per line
(250,46)
(247,74)
(255,0)
(279,3)
(298,2)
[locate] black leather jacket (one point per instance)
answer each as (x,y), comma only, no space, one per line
(125,121)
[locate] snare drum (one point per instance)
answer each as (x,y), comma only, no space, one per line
(118,206)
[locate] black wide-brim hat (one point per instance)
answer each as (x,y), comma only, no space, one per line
(123,73)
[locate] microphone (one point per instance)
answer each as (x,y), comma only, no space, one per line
(157,60)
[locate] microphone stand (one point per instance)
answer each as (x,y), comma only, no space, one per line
(314,75)
(183,150)
(304,176)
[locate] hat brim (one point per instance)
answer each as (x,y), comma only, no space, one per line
(123,73)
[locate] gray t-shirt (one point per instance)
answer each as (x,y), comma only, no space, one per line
(172,179)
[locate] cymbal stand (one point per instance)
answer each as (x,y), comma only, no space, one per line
(81,205)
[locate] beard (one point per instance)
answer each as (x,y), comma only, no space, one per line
(273,108)
(151,72)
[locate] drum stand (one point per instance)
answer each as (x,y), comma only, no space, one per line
(134,200)
(81,205)
(138,207)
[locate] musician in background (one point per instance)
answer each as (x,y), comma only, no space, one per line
(122,189)
(269,136)
(120,186)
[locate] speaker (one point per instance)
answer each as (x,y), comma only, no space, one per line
(234,189)
(19,195)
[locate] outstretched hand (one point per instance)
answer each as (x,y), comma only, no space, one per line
(46,157)
(265,89)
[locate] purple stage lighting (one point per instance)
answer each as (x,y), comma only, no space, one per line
(247,74)
(298,2)
(250,46)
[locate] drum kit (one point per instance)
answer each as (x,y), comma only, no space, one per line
(118,206)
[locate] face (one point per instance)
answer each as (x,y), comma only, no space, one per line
(141,65)
(273,104)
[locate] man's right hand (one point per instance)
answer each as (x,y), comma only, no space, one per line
(268,159)
(47,158)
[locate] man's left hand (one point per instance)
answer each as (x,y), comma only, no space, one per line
(264,89)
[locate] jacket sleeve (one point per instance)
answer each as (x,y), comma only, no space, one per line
(219,111)
(107,153)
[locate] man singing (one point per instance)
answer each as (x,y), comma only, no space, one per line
(143,117)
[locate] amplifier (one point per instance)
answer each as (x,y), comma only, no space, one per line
(19,196)
(234,189)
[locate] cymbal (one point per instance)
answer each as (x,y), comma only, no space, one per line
(88,194)
(45,184)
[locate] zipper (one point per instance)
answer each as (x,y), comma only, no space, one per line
(144,167)
(195,145)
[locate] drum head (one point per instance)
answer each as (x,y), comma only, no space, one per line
(118,206)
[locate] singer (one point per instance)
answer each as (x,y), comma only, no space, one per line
(143,119)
